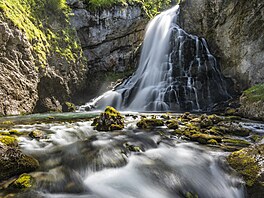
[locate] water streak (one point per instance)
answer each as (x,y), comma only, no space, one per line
(176,72)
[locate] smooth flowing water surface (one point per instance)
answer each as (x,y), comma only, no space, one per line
(78,161)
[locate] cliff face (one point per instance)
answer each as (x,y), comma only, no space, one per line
(19,79)
(234,30)
(40,60)
(109,39)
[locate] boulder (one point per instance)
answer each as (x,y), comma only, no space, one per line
(109,120)
(13,162)
(248,162)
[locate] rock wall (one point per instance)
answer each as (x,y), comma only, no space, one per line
(234,30)
(27,84)
(109,39)
(18,78)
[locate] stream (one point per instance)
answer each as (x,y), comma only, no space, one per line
(78,161)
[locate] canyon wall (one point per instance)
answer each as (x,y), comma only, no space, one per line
(110,39)
(234,31)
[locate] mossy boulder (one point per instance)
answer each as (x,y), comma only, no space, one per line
(109,120)
(248,162)
(14,162)
(206,122)
(148,123)
(205,138)
(236,142)
(37,134)
(252,102)
(68,107)
(24,181)
(8,140)
(172,124)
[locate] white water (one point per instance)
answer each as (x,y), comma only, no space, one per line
(77,161)
(176,72)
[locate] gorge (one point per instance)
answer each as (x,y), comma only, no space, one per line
(171,114)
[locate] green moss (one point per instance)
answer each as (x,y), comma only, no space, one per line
(172,124)
(245,164)
(151,7)
(255,93)
(256,138)
(70,107)
(236,142)
(109,120)
(46,25)
(212,141)
(132,148)
(8,122)
(8,140)
(204,138)
(24,181)
(147,123)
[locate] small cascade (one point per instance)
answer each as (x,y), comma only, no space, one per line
(176,72)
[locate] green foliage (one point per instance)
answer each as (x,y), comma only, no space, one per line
(255,93)
(151,7)
(46,24)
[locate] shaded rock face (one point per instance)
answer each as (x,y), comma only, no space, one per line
(26,88)
(18,77)
(109,39)
(234,32)
(14,162)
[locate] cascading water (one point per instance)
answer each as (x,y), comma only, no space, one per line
(176,72)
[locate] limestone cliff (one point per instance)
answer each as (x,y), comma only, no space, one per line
(234,30)
(109,38)
(40,58)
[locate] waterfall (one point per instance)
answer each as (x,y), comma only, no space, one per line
(176,72)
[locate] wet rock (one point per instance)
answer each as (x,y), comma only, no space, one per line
(204,138)
(8,140)
(110,39)
(248,162)
(233,31)
(252,102)
(236,142)
(172,124)
(148,123)
(110,120)
(22,182)
(132,147)
(68,107)
(37,134)
(14,162)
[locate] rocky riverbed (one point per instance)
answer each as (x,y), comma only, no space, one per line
(132,155)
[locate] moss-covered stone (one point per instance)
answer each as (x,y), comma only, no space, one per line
(23,181)
(236,142)
(68,107)
(109,120)
(148,123)
(14,162)
(206,122)
(248,162)
(252,102)
(37,134)
(8,140)
(212,141)
(132,148)
(215,118)
(205,138)
(172,124)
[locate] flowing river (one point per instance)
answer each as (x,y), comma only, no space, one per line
(78,161)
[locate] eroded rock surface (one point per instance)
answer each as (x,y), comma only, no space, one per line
(234,32)
(110,39)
